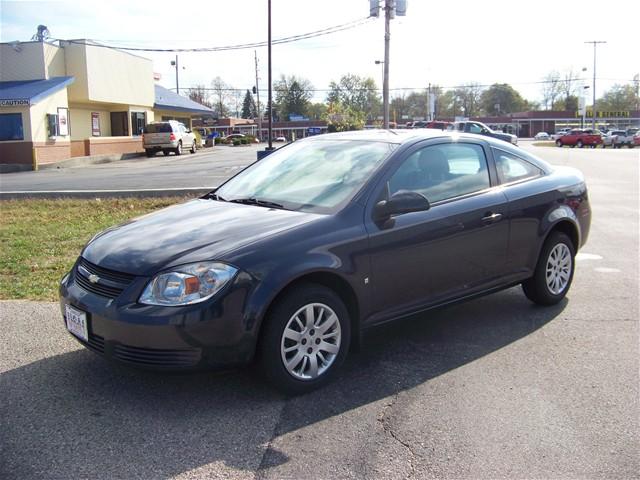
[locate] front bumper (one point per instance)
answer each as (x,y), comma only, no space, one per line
(211,334)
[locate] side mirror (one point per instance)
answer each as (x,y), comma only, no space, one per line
(401,202)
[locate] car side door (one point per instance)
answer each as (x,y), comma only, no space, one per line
(456,247)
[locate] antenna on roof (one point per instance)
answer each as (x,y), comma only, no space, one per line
(42,35)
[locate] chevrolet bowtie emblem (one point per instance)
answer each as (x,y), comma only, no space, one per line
(94,278)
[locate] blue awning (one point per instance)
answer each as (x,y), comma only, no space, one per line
(168,100)
(30,92)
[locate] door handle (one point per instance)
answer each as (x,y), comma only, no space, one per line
(492,217)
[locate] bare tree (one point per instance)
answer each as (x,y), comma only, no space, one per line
(551,90)
(222,96)
(569,85)
(199,95)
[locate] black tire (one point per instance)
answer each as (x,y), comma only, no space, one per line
(178,149)
(579,144)
(536,288)
(193,147)
(559,143)
(165,153)
(150,152)
(272,340)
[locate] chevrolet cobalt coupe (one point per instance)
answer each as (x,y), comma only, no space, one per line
(291,260)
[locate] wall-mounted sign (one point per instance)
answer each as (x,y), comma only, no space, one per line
(589,114)
(14,103)
(95,124)
(63,121)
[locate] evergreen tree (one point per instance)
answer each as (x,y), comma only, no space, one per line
(249,106)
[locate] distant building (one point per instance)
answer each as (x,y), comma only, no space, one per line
(73,99)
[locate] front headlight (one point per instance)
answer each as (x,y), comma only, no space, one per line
(187,284)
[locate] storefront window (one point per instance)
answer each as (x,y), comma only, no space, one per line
(11,127)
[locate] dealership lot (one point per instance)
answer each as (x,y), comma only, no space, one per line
(494,388)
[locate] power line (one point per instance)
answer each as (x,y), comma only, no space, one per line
(278,41)
(444,87)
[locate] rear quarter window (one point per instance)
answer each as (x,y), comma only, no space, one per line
(512,168)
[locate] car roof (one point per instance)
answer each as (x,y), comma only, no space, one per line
(402,137)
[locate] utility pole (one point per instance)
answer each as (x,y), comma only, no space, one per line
(269,96)
(255,54)
(391,9)
(595,43)
(389,4)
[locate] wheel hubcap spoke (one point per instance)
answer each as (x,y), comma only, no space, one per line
(310,341)
(558,269)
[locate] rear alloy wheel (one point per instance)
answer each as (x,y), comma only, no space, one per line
(559,143)
(554,272)
(178,149)
(579,144)
(193,147)
(305,339)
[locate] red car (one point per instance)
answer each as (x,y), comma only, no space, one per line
(580,138)
(636,140)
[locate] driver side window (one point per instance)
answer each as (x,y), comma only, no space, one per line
(441,172)
(473,128)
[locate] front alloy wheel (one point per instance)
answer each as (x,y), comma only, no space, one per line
(305,339)
(310,341)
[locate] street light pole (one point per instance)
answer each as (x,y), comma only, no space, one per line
(175,64)
(595,43)
(385,84)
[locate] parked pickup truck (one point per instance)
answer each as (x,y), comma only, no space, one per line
(580,138)
(626,138)
(613,138)
(482,129)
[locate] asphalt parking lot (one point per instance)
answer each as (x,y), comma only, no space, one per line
(493,388)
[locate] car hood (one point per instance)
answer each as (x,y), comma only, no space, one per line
(193,231)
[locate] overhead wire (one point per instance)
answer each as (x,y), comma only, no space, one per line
(277,41)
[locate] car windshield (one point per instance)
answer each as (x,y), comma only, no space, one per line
(316,176)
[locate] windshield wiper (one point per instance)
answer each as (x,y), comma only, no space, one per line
(256,201)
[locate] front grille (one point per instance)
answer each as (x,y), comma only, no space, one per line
(118,277)
(156,357)
(110,283)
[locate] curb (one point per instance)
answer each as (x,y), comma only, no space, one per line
(165,192)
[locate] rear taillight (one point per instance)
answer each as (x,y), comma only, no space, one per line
(172,137)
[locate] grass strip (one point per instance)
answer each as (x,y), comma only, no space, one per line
(41,239)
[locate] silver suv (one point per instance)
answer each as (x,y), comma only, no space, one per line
(169,137)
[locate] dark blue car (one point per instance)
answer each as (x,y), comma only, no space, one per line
(290,261)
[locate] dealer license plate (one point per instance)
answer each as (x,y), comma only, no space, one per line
(77,322)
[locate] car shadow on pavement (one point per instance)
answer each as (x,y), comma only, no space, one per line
(75,415)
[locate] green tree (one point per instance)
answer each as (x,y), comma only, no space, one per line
(341,118)
(359,94)
(316,111)
(620,98)
(501,98)
(293,95)
(249,109)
